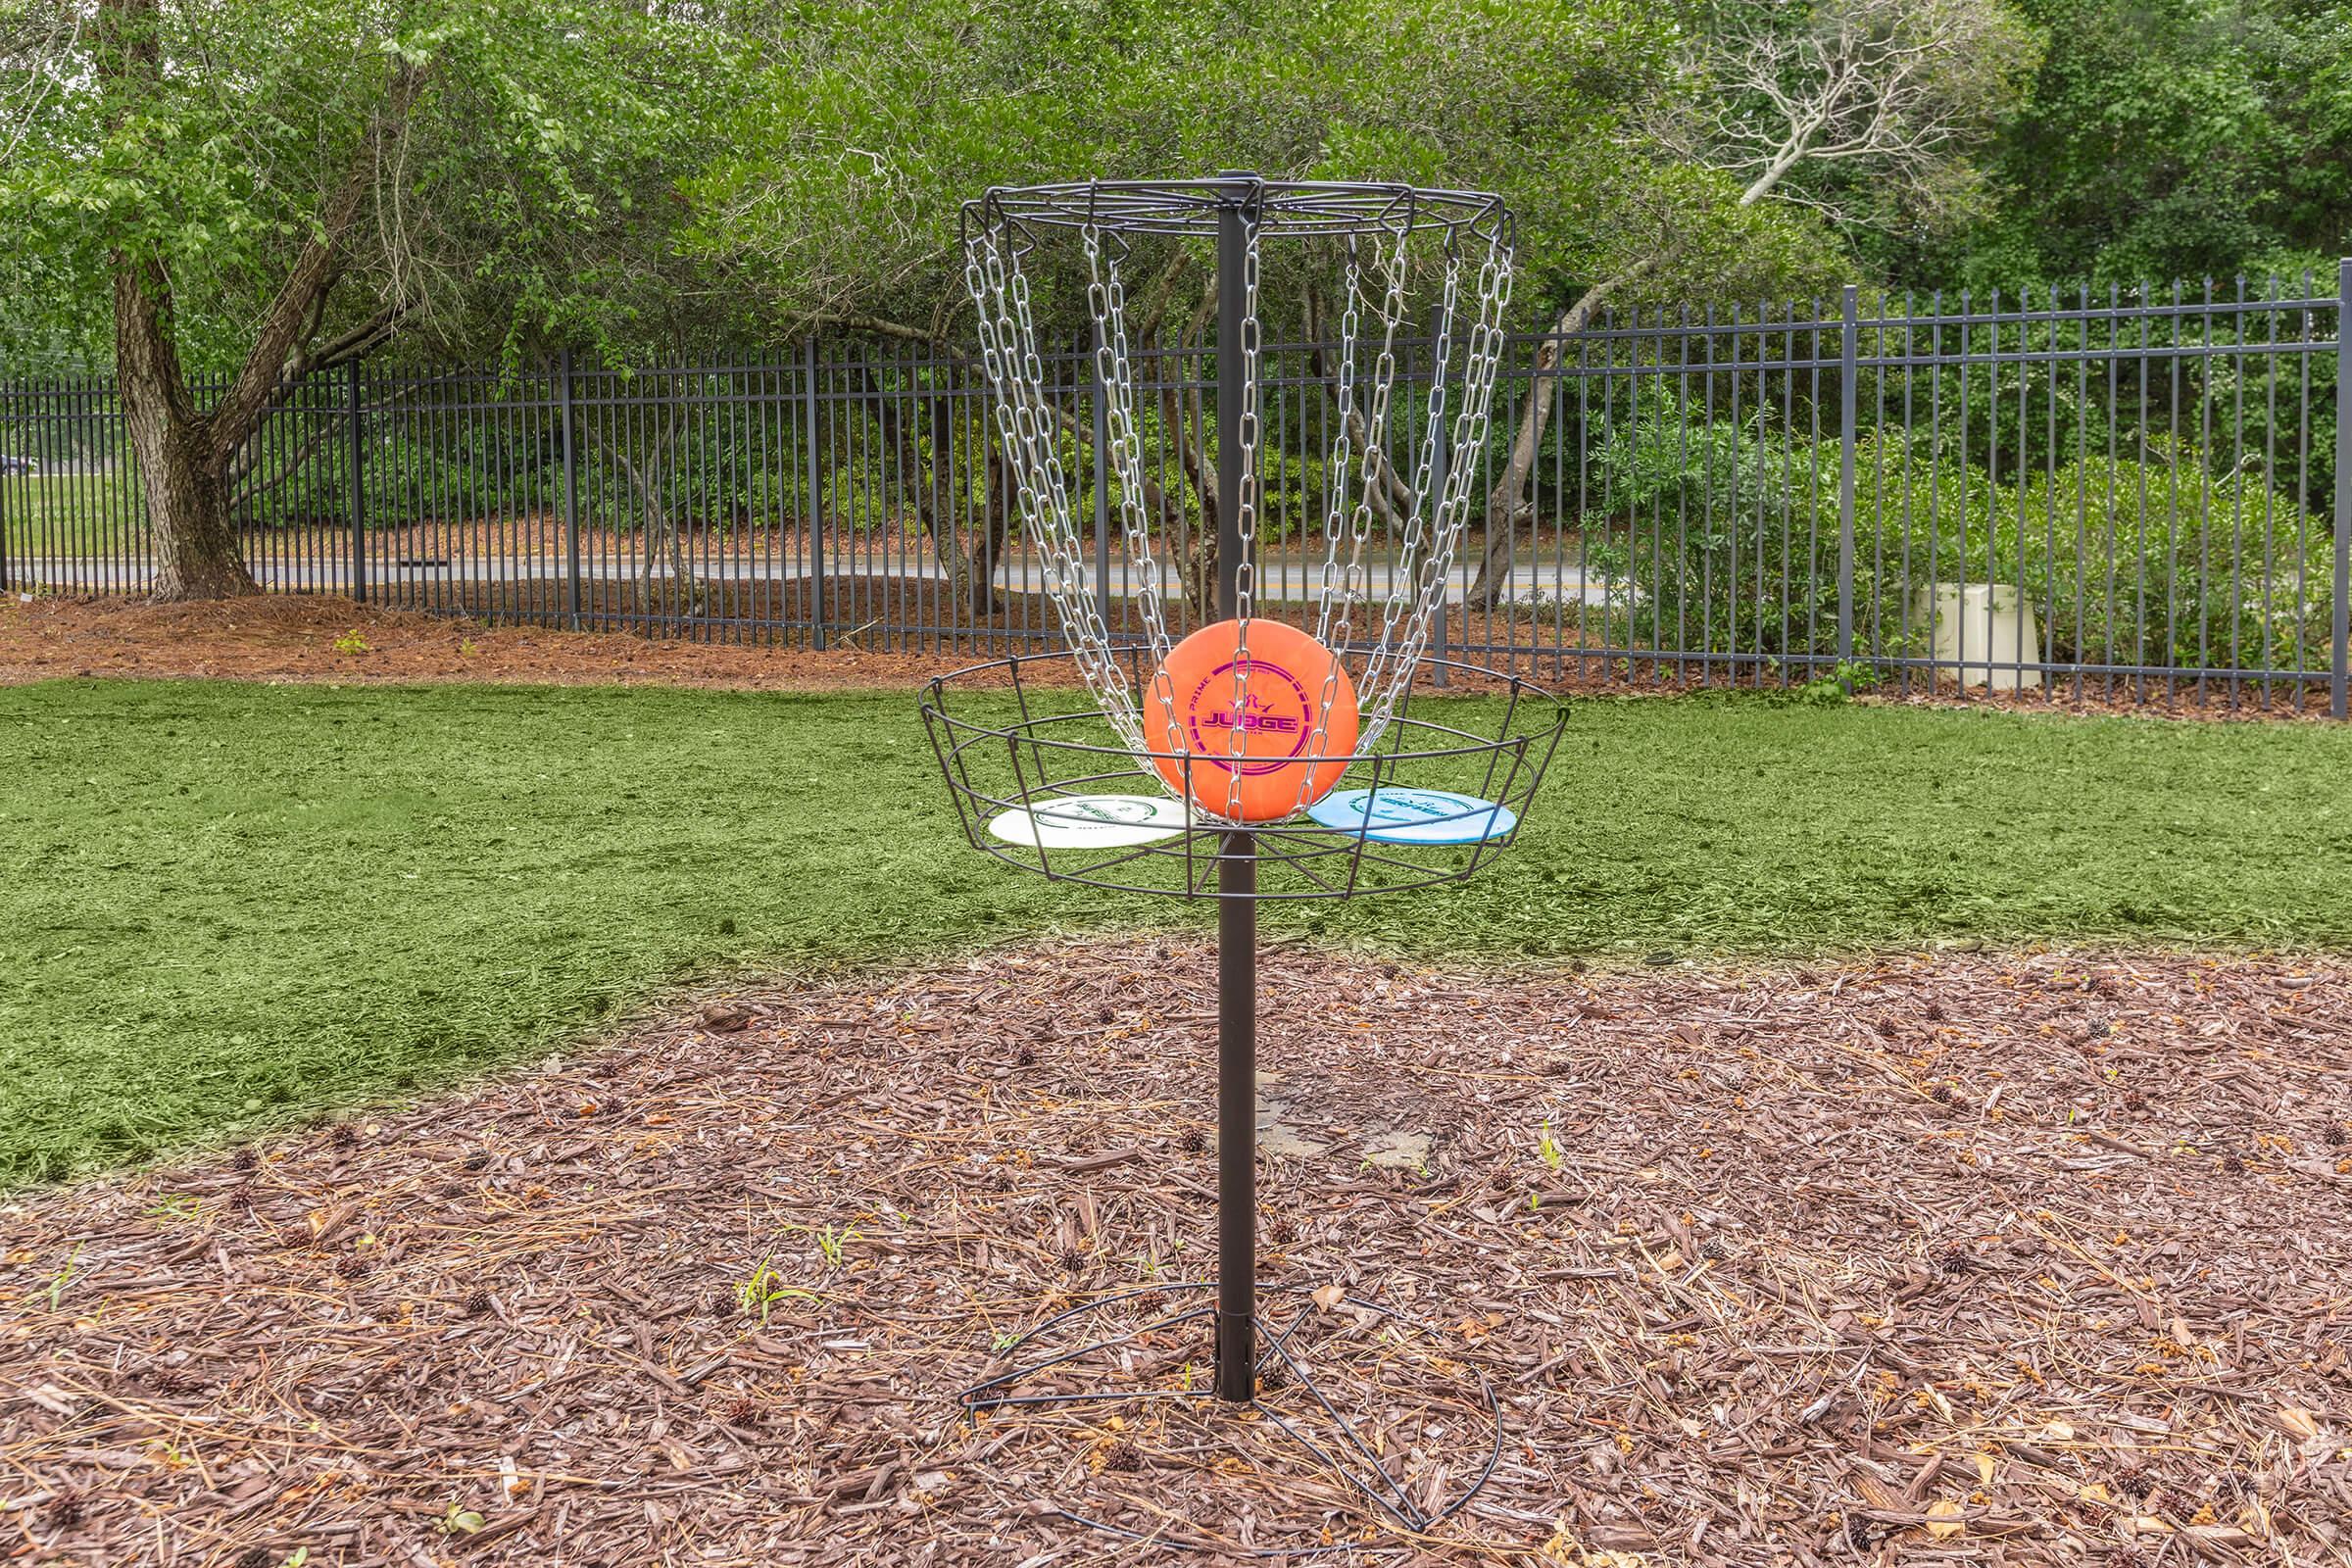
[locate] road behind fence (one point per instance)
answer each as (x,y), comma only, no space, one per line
(2144,498)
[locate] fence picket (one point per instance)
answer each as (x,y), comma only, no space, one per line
(1680,497)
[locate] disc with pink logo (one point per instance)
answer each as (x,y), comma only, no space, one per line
(1253,728)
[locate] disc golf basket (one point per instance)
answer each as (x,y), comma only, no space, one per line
(1254,759)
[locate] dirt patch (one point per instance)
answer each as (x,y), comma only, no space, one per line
(289,637)
(474,637)
(302,637)
(2016,1259)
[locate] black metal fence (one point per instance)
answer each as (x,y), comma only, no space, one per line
(2142,498)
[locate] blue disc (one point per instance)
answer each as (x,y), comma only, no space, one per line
(1399,816)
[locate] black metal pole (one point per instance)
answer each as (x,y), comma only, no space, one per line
(1237,874)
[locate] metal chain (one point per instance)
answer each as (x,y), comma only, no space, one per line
(1354,581)
(1026,422)
(1404,601)
(1482,363)
(1245,571)
(1114,371)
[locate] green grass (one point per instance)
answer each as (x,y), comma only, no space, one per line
(228,903)
(69,516)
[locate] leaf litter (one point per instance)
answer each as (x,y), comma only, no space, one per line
(1975,1257)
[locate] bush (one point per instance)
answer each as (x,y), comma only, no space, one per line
(1724,539)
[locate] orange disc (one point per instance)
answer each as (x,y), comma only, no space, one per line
(1254,719)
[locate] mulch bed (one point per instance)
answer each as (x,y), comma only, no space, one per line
(2033,1258)
(290,637)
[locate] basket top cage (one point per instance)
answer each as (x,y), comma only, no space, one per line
(1280,208)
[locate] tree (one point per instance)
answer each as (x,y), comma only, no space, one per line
(1866,110)
(265,188)
(875,123)
(2164,139)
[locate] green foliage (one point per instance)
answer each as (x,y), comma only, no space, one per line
(1725,538)
(521,187)
(869,125)
(2169,138)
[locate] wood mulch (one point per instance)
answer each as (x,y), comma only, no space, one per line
(2001,1258)
(329,639)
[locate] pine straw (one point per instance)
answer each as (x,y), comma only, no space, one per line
(2027,1259)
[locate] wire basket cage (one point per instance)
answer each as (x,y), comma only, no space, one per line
(1018,735)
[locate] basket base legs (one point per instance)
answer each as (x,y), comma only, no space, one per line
(1362,1398)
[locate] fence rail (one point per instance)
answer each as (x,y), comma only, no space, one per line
(2145,498)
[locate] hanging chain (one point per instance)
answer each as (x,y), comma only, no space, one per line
(1245,570)
(1342,590)
(1114,373)
(1391,668)
(1028,425)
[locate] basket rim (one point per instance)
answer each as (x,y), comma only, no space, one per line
(1294,208)
(1555,709)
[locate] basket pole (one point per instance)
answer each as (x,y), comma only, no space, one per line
(1237,878)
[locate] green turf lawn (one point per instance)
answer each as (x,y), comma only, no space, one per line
(228,903)
(69,516)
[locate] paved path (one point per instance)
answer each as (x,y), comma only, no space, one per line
(1277,579)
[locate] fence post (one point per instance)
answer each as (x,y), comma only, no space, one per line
(816,505)
(1102,424)
(1849,353)
(572,490)
(2337,681)
(358,494)
(7,585)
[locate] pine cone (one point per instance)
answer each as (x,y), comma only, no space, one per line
(67,1505)
(1123,1457)
(477,1305)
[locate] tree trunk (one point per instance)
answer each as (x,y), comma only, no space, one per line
(196,550)
(996,521)
(940,512)
(925,478)
(1503,506)
(197,554)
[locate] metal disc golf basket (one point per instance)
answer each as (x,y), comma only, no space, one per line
(1298,768)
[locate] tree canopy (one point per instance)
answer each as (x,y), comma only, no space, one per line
(221,197)
(2163,139)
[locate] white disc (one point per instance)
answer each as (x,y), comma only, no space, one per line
(1091,821)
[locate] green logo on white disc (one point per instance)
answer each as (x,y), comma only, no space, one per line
(1091,821)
